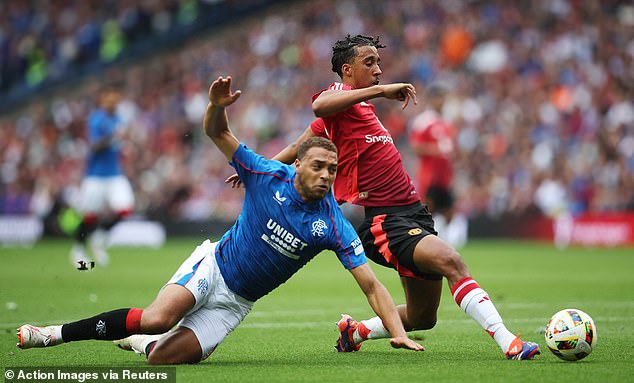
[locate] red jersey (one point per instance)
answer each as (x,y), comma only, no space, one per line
(370,171)
(429,129)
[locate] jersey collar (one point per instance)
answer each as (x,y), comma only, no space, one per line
(297,199)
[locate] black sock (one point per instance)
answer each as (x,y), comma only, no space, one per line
(110,325)
(149,348)
(84,230)
(109,223)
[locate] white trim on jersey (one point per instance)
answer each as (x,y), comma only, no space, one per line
(336,86)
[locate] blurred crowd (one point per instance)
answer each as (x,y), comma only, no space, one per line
(542,97)
(44,40)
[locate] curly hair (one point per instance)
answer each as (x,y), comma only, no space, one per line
(312,142)
(344,51)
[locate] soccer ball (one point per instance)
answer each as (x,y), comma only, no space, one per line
(571,335)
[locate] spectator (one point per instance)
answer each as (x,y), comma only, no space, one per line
(541,84)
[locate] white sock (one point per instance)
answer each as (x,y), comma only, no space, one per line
(370,329)
(457,231)
(440,225)
(57,332)
(475,302)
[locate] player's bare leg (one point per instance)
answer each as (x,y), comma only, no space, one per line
(435,255)
(173,347)
(432,253)
(170,305)
(176,347)
(417,313)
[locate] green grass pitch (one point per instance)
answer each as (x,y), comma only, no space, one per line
(289,335)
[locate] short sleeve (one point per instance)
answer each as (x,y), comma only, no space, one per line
(318,126)
(250,165)
(347,244)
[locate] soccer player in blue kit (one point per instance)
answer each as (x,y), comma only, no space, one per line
(106,196)
(289,216)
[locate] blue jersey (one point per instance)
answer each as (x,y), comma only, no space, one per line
(104,162)
(277,233)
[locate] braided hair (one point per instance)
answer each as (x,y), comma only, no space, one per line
(343,52)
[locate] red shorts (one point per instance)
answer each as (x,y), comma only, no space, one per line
(390,234)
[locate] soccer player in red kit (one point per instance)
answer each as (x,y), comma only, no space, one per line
(432,138)
(398,230)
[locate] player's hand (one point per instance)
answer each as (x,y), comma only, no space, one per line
(234,180)
(405,342)
(220,92)
(401,92)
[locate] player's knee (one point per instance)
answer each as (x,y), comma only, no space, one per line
(452,264)
(423,323)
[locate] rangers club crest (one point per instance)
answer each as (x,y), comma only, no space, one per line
(101,328)
(318,228)
(202,286)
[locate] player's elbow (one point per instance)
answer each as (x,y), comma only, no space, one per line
(318,109)
(221,138)
(322,107)
(214,134)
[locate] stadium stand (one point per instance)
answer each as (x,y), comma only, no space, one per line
(542,95)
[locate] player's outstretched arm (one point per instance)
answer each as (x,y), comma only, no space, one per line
(383,305)
(289,153)
(286,156)
(334,101)
(215,122)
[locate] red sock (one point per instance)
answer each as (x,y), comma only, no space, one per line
(363,331)
(133,321)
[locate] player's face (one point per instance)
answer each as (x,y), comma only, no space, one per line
(110,99)
(365,70)
(437,102)
(315,174)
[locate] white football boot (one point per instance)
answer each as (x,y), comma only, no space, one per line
(137,343)
(32,336)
